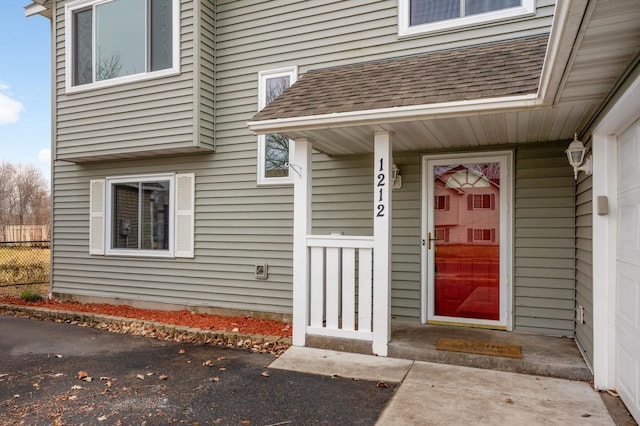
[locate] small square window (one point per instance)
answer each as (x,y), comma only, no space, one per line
(274,150)
(421,16)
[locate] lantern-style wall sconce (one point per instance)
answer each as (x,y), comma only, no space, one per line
(576,153)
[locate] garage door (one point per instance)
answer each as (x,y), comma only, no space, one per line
(628,270)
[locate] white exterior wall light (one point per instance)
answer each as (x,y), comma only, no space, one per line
(395,176)
(576,155)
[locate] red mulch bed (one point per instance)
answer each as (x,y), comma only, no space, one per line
(245,325)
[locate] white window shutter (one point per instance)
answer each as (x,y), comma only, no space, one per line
(96,216)
(185,196)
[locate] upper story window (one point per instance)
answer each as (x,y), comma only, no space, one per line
(118,41)
(274,150)
(420,16)
(481,202)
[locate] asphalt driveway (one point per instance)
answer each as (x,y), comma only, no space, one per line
(137,380)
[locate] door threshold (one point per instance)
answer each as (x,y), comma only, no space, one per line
(468,325)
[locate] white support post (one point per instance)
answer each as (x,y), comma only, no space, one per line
(382,243)
(301,228)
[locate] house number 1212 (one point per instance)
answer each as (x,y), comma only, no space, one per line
(381,182)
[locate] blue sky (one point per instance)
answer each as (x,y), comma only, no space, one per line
(25,88)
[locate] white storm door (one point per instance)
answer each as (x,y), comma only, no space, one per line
(467,239)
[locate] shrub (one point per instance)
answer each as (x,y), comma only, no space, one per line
(29,295)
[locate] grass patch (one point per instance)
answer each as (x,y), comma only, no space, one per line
(22,265)
(16,290)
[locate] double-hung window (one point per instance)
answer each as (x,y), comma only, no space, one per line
(274,150)
(145,215)
(420,16)
(117,41)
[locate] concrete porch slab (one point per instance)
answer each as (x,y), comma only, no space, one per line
(541,355)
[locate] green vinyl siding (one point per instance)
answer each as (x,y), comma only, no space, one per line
(544,285)
(584,264)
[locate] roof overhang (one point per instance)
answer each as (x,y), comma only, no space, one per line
(469,122)
(39,7)
(386,116)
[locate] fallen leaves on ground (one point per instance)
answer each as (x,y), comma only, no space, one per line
(258,344)
(237,324)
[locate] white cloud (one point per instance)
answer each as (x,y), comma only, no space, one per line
(44,156)
(9,108)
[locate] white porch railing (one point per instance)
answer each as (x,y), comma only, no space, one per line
(340,286)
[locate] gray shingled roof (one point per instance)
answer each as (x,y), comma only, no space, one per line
(484,71)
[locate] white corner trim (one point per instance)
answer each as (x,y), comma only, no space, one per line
(605,164)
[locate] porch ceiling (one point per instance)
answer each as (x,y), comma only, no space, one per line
(603,42)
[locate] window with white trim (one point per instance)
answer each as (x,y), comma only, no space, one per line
(145,215)
(119,41)
(274,150)
(421,16)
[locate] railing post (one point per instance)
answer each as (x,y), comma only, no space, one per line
(301,167)
(382,243)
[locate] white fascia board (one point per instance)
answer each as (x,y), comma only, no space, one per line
(34,9)
(396,114)
(568,17)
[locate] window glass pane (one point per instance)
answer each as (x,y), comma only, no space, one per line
(82,50)
(161,35)
(140,215)
(466,277)
(473,7)
(120,39)
(276,153)
(426,11)
(125,216)
(276,150)
(155,216)
(275,87)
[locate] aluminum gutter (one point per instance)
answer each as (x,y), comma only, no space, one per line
(396,114)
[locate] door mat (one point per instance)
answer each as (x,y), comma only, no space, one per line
(479,347)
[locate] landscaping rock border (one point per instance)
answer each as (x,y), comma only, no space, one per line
(275,345)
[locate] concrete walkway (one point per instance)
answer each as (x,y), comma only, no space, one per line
(438,394)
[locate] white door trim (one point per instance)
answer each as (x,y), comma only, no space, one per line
(605,183)
(506,235)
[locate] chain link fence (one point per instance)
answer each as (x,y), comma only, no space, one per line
(24,263)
